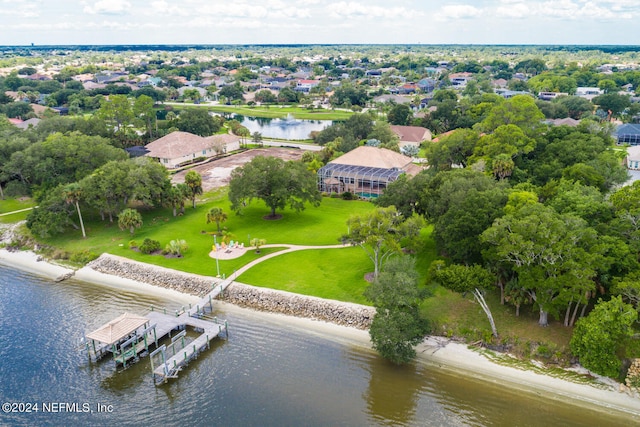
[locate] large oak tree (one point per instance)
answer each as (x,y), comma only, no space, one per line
(276,182)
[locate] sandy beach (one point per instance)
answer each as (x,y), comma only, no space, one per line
(435,351)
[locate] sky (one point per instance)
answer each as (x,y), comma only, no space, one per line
(101,22)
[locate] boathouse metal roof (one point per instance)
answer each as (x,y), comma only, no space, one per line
(118,328)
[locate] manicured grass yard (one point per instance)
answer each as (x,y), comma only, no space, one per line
(10,205)
(314,226)
(326,273)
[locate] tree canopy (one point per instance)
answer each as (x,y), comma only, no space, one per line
(397,325)
(276,182)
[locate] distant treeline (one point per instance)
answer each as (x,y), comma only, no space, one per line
(181,47)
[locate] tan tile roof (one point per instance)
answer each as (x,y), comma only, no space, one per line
(411,133)
(223,138)
(177,144)
(374,157)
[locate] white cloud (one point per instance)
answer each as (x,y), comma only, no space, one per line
(108,7)
(457,11)
(569,9)
(516,10)
(351,10)
(22,9)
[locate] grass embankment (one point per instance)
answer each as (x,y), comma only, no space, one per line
(11,205)
(452,314)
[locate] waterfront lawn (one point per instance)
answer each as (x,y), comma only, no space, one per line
(314,226)
(329,273)
(336,274)
(11,205)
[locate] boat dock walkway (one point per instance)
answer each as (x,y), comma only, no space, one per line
(128,336)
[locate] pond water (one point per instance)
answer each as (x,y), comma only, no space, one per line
(287,128)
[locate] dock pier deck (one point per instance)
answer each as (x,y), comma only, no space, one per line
(127,336)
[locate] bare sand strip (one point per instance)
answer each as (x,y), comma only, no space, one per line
(435,351)
(32,263)
(90,275)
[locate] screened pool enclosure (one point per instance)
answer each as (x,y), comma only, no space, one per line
(364,181)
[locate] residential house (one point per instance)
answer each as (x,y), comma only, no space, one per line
(407,89)
(506,93)
(499,83)
(201,91)
(588,92)
(427,85)
(397,99)
(411,135)
(110,77)
(29,123)
(365,171)
(304,85)
(180,148)
(628,134)
(548,96)
(633,158)
(460,80)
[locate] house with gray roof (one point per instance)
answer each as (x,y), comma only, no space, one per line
(628,134)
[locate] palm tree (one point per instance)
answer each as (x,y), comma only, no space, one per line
(216,215)
(194,182)
(72,194)
(257,243)
(256,137)
(176,196)
(129,219)
(176,247)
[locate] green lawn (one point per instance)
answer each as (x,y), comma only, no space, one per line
(336,274)
(10,205)
(327,273)
(314,226)
(280,112)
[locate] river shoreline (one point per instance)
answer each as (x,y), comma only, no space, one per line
(435,351)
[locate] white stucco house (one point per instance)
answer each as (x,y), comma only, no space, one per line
(180,148)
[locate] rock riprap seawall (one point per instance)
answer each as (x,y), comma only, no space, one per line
(187,283)
(341,313)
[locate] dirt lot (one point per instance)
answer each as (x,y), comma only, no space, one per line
(217,173)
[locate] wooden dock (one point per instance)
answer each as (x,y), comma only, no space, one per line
(129,336)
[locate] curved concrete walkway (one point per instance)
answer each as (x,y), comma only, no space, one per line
(289,248)
(18,211)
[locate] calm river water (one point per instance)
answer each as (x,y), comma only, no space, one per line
(268,373)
